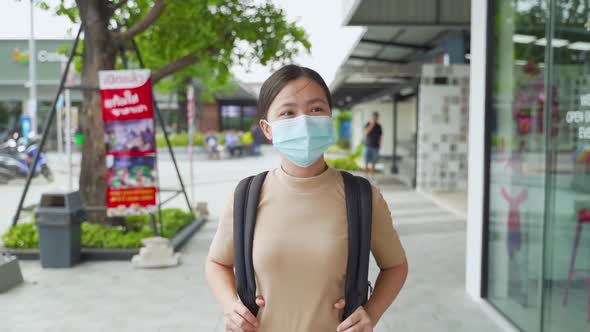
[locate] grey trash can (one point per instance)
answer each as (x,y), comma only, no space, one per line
(58,219)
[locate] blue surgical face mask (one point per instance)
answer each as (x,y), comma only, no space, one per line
(304,139)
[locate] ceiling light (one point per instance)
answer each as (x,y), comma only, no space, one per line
(523,39)
(555,42)
(580,46)
(406,91)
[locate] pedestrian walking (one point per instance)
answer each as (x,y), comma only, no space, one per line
(297,257)
(373,133)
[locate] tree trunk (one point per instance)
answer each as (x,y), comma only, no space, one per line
(181,124)
(99,54)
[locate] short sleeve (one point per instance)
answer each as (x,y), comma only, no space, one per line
(385,243)
(222,247)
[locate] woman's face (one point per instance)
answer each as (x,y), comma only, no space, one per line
(299,97)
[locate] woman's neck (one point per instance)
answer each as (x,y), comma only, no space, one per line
(315,169)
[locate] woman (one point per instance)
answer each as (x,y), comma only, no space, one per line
(300,240)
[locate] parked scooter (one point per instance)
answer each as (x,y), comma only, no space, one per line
(16,157)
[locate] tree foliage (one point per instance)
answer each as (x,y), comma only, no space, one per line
(213,35)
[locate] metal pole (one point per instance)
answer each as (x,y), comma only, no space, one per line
(394,168)
(69,136)
(45,131)
(190,113)
(417,135)
(32,104)
(60,147)
(162,124)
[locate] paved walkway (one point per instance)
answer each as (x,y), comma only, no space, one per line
(112,296)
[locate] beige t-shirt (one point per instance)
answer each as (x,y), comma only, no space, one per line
(300,249)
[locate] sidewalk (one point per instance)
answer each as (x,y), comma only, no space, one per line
(112,296)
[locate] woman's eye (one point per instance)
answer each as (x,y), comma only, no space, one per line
(317,110)
(286,113)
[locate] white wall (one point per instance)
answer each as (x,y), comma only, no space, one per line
(406,117)
(475,192)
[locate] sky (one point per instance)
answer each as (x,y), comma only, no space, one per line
(321,19)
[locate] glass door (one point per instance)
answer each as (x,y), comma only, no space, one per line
(566,300)
(516,184)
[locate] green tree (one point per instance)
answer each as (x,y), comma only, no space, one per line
(179,40)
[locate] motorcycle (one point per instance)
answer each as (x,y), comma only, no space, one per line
(16,158)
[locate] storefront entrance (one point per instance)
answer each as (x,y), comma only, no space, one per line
(537,233)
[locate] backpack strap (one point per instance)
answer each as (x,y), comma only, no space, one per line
(359,209)
(246,198)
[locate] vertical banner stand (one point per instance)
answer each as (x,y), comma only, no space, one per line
(51,117)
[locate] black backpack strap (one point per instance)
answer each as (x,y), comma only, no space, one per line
(359,210)
(246,197)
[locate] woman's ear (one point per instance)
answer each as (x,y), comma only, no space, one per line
(266,129)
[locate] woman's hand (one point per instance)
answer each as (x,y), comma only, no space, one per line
(359,321)
(239,319)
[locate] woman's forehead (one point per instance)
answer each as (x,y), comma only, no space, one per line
(300,89)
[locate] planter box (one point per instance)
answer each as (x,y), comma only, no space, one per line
(10,274)
(116,254)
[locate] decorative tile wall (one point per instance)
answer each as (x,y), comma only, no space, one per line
(443,128)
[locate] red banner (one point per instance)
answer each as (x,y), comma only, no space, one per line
(130,141)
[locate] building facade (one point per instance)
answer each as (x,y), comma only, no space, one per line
(525,160)
(228,110)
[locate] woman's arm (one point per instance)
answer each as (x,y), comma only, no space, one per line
(387,287)
(222,282)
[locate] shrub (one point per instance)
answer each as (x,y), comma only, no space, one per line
(22,236)
(179,140)
(247,138)
(343,116)
(343,164)
(333,149)
(136,228)
(344,144)
(199,140)
(350,162)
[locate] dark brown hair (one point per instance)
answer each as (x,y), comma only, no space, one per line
(277,81)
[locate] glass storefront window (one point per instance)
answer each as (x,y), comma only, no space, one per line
(238,117)
(567,244)
(517,159)
(231,117)
(538,223)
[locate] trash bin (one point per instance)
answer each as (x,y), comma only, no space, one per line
(58,219)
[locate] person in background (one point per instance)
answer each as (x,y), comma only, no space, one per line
(373,133)
(258,137)
(212,149)
(232,143)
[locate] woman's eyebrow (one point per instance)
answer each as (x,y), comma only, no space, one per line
(309,102)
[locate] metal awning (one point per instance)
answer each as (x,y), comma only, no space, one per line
(384,60)
(400,35)
(408,13)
